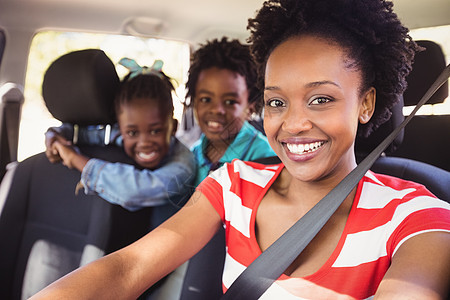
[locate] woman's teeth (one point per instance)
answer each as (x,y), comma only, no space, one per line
(304,148)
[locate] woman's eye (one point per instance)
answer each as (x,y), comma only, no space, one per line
(319,100)
(275,103)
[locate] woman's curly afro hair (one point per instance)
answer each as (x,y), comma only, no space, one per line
(224,54)
(369,30)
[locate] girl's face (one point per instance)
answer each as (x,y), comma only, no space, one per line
(221,104)
(146,132)
(312,106)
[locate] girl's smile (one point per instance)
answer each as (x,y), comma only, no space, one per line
(146,130)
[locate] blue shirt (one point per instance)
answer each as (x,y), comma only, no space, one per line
(166,188)
(249,144)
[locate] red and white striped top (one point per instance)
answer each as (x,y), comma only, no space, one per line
(385,213)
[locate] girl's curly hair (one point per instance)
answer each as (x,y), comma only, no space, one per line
(154,87)
(224,54)
(369,30)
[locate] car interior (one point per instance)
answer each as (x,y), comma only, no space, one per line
(423,138)
(48,230)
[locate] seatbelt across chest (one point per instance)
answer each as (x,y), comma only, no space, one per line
(269,266)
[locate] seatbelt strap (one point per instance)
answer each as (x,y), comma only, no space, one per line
(269,266)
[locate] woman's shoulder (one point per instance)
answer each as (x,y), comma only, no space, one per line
(265,163)
(394,183)
(381,190)
(253,172)
(240,179)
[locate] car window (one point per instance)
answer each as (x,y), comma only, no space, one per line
(46,46)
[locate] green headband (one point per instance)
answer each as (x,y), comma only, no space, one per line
(136,69)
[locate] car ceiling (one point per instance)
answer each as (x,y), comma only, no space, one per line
(193,20)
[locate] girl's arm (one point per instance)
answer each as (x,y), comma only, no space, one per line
(420,269)
(52,136)
(144,188)
(69,156)
(127,273)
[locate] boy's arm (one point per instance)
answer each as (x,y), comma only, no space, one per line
(128,272)
(420,269)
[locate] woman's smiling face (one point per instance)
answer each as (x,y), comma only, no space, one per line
(312,106)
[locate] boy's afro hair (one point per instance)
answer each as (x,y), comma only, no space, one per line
(369,30)
(224,54)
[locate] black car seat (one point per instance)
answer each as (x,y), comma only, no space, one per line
(427,137)
(46,230)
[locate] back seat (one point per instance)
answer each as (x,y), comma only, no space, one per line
(46,230)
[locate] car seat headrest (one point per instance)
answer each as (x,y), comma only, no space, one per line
(427,66)
(79,88)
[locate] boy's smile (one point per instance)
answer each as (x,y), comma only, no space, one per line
(312,107)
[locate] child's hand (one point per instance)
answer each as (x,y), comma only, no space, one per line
(50,150)
(69,155)
(64,151)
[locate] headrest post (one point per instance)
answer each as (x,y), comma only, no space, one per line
(107,134)
(76,130)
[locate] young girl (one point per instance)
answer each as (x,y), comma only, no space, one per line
(165,167)
(327,67)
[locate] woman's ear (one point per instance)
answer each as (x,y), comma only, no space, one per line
(367,105)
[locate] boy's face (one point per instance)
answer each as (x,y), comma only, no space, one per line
(146,132)
(221,104)
(312,106)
